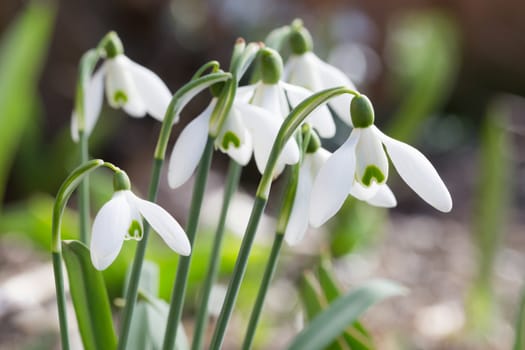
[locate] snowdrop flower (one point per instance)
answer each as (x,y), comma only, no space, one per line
(314,158)
(121,219)
(305,69)
(360,167)
(127,84)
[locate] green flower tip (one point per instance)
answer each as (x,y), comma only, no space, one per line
(121,181)
(362,112)
(112,45)
(230,138)
(271,65)
(300,39)
(314,142)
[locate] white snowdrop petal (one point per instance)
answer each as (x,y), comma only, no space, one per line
(298,221)
(189,148)
(154,94)
(74,127)
(364,193)
(164,224)
(120,87)
(418,173)
(320,118)
(234,127)
(245,93)
(384,198)
(109,229)
(371,159)
(93,96)
(271,98)
(302,70)
(333,182)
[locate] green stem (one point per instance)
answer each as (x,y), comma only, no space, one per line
(179,288)
(83,195)
(263,289)
(288,128)
(133,286)
(238,273)
(63,195)
(234,173)
(282,223)
(61,299)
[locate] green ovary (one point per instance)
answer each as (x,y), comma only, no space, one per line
(230,137)
(120,97)
(372,172)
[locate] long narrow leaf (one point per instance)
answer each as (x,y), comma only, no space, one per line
(90,299)
(519,343)
(328,325)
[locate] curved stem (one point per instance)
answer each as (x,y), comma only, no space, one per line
(179,288)
(133,286)
(83,195)
(234,173)
(65,191)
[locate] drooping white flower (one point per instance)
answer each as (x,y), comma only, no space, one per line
(304,68)
(360,167)
(299,217)
(247,129)
(121,219)
(129,86)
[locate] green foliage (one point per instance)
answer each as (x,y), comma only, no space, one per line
(90,299)
(22,51)
(424,79)
(332,321)
(519,342)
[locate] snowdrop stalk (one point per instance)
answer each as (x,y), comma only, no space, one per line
(178,101)
(288,128)
(241,58)
(63,195)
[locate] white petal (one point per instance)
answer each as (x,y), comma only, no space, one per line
(302,70)
(417,171)
(188,148)
(74,127)
(333,183)
(271,97)
(370,155)
(364,193)
(332,77)
(320,118)
(163,223)
(383,198)
(264,129)
(245,93)
(298,221)
(109,229)
(93,98)
(234,125)
(119,82)
(154,94)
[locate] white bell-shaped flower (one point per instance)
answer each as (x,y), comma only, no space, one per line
(121,219)
(129,86)
(305,69)
(360,167)
(299,217)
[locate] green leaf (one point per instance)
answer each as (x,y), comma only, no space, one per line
(328,325)
(519,343)
(22,51)
(89,296)
(149,324)
(355,336)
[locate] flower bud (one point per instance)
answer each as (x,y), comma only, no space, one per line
(271,65)
(362,112)
(121,181)
(300,38)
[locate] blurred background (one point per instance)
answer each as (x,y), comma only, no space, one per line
(446,76)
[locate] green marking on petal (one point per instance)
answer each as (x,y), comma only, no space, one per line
(134,231)
(120,97)
(372,172)
(230,137)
